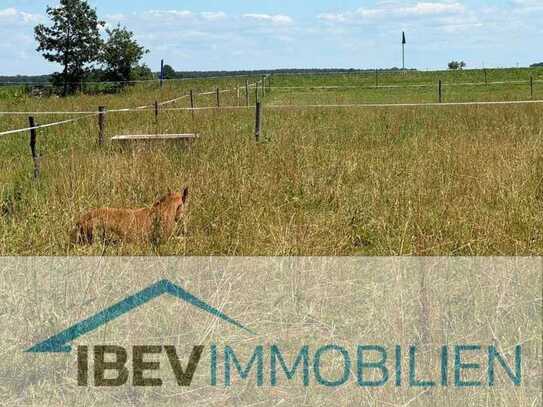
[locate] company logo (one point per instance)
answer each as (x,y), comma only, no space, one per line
(369,366)
(61,341)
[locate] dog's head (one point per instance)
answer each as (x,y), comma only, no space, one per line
(177,201)
(182,201)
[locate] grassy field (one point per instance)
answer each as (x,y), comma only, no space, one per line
(451,180)
(333,181)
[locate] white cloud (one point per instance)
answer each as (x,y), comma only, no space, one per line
(169,14)
(175,13)
(455,24)
(277,19)
(116,17)
(449,16)
(200,40)
(498,32)
(8,12)
(395,10)
(213,15)
(12,15)
(423,9)
(186,15)
(333,17)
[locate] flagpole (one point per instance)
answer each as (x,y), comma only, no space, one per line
(403,50)
(403,57)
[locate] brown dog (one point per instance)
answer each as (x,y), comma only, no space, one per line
(133,225)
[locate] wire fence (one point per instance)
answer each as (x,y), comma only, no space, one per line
(264,85)
(261,88)
(88,114)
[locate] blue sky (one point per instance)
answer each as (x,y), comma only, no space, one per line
(244,34)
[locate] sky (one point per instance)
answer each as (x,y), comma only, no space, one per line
(248,34)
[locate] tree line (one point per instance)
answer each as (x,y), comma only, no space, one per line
(73,40)
(171,73)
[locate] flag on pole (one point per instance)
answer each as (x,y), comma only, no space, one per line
(403,38)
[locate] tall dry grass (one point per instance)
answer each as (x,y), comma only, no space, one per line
(346,181)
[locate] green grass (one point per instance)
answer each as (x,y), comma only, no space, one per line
(348,181)
(384,78)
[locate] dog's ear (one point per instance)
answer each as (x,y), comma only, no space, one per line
(185,195)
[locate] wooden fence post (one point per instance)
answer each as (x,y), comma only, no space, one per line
(218,98)
(101,124)
(247,93)
(376,78)
(161,73)
(258,121)
(156,112)
(192,103)
(33,149)
(256,93)
(486,80)
(532,87)
(440,92)
(237,89)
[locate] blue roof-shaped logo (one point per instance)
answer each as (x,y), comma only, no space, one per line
(61,342)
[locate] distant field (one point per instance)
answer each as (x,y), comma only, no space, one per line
(450,180)
(411,77)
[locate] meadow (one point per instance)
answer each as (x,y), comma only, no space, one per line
(362,180)
(413,180)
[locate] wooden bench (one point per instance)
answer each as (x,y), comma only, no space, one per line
(156,137)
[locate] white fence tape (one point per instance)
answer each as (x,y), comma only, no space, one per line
(45,125)
(48,113)
(421,85)
(376,105)
(361,105)
(167,102)
(434,104)
(138,108)
(173,109)
(316,106)
(89,114)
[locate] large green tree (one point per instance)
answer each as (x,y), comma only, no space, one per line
(73,40)
(121,55)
